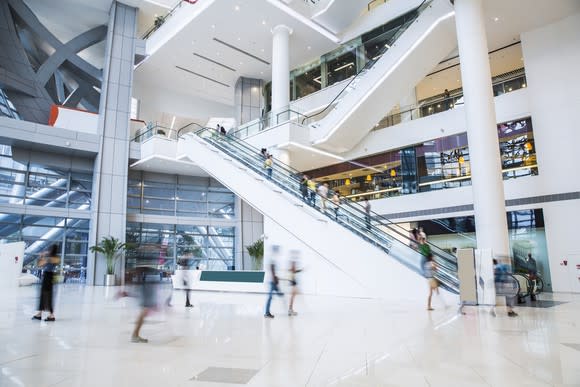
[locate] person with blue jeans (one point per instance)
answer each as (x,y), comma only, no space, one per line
(268,165)
(273,282)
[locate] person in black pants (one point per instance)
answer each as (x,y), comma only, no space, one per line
(46,289)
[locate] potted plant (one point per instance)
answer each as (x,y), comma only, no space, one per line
(112,249)
(256,251)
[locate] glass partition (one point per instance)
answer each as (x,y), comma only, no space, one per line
(432,165)
(526,233)
(161,246)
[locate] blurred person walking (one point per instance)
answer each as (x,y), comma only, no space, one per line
(273,281)
(46,301)
(429,269)
(148,295)
(505,286)
(293,281)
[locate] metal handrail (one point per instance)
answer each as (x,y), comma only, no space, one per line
(163,19)
(266,119)
(252,158)
(371,62)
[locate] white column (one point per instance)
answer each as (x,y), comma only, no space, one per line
(280,67)
(486,175)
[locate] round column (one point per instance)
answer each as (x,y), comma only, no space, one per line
(484,155)
(280,68)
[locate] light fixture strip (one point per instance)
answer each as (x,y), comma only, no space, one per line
(242,51)
(344,66)
(214,62)
(202,76)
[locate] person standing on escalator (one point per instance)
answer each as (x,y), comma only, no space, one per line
(367,206)
(268,165)
(304,188)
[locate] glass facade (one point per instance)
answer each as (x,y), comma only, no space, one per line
(178,196)
(30,184)
(163,245)
(342,63)
(432,165)
(39,199)
(526,232)
(7,109)
(203,222)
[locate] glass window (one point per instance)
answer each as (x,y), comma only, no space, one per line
(307,80)
(341,67)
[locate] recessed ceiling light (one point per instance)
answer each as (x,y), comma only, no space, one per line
(261,73)
(213,26)
(239,38)
(237,7)
(241,63)
(308,47)
(496,19)
(262,50)
(263,22)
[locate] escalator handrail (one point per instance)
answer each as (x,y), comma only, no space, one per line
(383,221)
(292,176)
(370,63)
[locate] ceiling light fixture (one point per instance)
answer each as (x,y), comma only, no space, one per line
(344,66)
(237,7)
(263,22)
(496,19)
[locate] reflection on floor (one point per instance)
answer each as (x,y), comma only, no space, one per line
(225,341)
(541,303)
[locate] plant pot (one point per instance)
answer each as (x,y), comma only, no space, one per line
(109,279)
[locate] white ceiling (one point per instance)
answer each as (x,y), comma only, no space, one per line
(167,165)
(244,24)
(83,15)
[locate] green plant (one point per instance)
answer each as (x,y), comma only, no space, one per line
(256,251)
(111,248)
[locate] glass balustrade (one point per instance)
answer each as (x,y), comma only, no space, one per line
(391,238)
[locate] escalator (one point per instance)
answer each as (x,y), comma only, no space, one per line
(239,166)
(413,50)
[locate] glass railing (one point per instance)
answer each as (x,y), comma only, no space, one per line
(437,182)
(351,85)
(390,237)
(155,130)
(502,84)
(160,20)
(270,120)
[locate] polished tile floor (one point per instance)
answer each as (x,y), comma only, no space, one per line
(332,342)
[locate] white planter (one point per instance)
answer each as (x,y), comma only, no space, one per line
(109,279)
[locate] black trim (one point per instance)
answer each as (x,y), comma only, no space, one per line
(242,51)
(202,76)
(215,62)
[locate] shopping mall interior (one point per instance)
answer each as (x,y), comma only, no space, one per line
(345,193)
